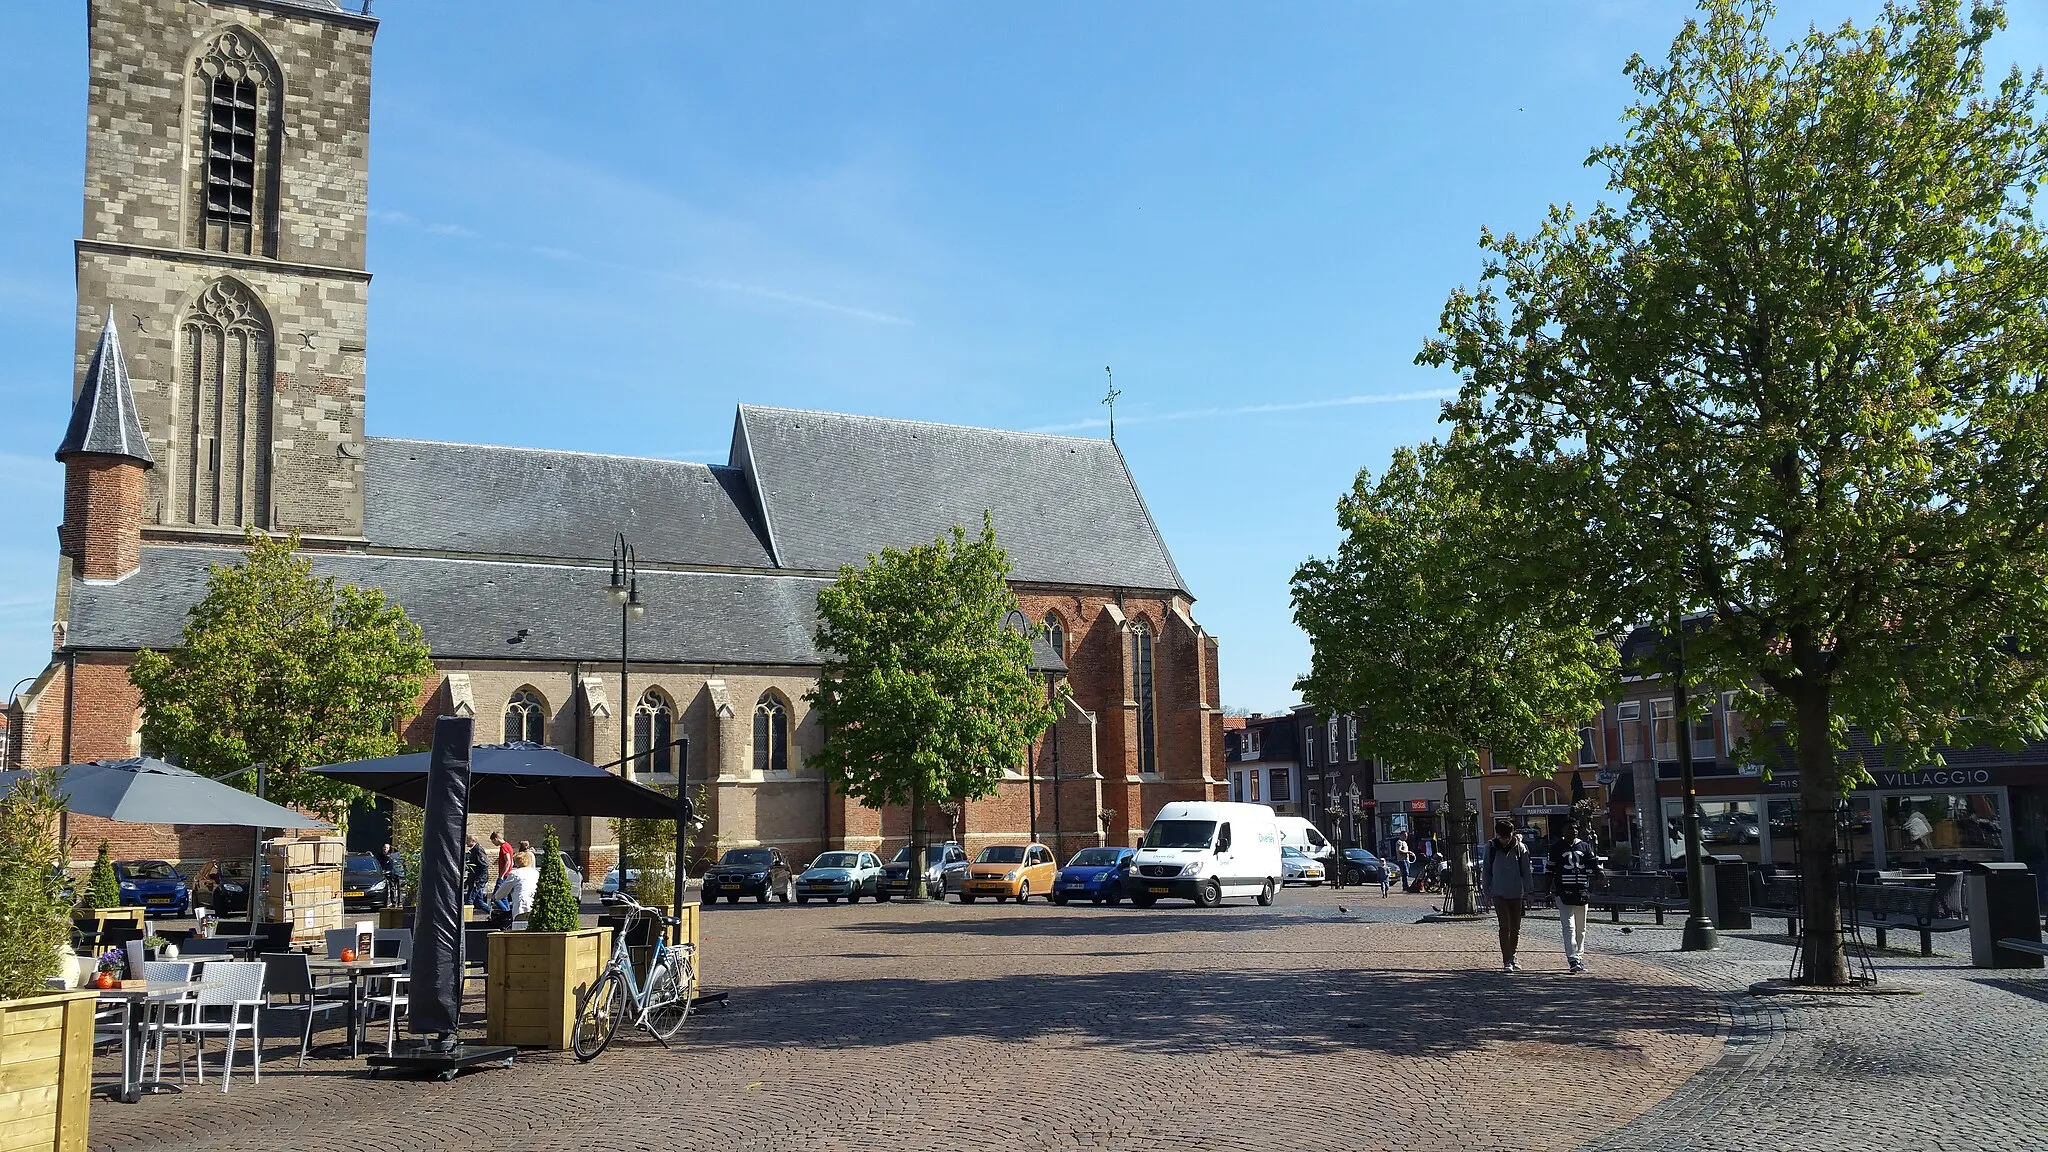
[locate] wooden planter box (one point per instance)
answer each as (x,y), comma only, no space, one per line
(45,1071)
(533,981)
(120,915)
(403,917)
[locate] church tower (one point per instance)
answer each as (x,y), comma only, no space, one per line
(226,195)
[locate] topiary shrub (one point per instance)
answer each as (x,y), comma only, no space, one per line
(554,905)
(102,889)
(35,916)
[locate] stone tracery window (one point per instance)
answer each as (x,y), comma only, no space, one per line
(233,142)
(653,733)
(771,735)
(1141,691)
(218,473)
(1056,635)
(526,718)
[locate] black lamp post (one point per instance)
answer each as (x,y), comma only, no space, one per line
(624,591)
(1699,934)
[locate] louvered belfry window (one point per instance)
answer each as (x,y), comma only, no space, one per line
(231,150)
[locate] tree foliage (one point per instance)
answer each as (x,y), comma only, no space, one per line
(35,914)
(408,838)
(286,668)
(555,908)
(1792,379)
(924,694)
(102,887)
(1413,632)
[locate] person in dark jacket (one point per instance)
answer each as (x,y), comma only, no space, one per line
(1506,877)
(474,880)
(1575,868)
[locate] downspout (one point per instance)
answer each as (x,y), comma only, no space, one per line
(1101,833)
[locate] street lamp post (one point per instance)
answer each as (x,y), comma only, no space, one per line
(624,591)
(1699,934)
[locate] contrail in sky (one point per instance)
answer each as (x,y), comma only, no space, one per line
(1260,409)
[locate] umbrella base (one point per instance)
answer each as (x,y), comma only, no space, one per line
(443,1063)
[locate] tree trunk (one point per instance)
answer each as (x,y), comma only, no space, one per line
(1459,875)
(1820,871)
(917,847)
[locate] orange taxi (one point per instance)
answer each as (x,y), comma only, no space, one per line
(1010,870)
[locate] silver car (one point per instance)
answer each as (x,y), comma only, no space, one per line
(837,875)
(1298,867)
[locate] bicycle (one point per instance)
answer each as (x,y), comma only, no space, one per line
(660,1007)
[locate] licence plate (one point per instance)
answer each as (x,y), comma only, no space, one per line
(159,900)
(1158,891)
(353,895)
(1076,886)
(729,884)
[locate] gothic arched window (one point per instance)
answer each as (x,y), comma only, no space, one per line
(771,735)
(218,472)
(653,733)
(526,718)
(234,118)
(1141,691)
(1056,635)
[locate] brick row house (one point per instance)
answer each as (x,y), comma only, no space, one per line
(220,386)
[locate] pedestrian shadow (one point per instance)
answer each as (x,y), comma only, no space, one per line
(1303,1012)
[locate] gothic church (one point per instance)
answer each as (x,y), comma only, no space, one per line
(222,307)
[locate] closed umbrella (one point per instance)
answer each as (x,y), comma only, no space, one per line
(145,790)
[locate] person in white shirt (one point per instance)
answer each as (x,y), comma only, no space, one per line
(514,895)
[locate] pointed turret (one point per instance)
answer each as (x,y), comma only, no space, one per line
(103,418)
(104,454)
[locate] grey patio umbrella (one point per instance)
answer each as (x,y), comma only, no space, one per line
(145,790)
(514,779)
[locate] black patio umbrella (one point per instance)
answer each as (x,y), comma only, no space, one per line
(1578,788)
(514,780)
(145,790)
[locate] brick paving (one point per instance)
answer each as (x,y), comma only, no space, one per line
(946,1027)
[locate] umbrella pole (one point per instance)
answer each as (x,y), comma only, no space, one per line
(256,862)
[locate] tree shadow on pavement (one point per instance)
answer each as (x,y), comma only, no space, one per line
(1315,1012)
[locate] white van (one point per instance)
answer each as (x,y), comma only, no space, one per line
(1205,852)
(1306,837)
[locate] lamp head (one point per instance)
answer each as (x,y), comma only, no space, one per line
(617,593)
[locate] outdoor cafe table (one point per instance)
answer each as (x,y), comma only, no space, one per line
(144,994)
(356,970)
(240,945)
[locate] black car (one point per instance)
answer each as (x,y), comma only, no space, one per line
(1362,867)
(365,884)
(944,867)
(223,885)
(756,872)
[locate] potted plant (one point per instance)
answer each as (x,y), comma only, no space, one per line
(536,976)
(45,1036)
(100,897)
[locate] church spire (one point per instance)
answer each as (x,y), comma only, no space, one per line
(103,418)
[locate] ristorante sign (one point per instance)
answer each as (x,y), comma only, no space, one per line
(1931,778)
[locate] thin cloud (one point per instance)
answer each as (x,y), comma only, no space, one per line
(1257,409)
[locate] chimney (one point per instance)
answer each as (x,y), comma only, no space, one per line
(104,454)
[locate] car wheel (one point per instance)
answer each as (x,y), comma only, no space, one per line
(1112,897)
(1209,895)
(1059,898)
(853,894)
(763,897)
(803,899)
(1024,892)
(966,899)
(1266,897)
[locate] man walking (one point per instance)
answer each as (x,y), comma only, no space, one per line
(504,848)
(1575,868)
(1507,881)
(476,866)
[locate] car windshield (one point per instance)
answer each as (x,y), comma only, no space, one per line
(837,860)
(150,870)
(754,856)
(1359,854)
(1291,850)
(364,864)
(1180,834)
(1006,855)
(1093,858)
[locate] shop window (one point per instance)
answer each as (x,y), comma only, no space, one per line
(1727,828)
(1852,833)
(1943,829)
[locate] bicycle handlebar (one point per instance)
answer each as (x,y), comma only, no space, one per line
(633,906)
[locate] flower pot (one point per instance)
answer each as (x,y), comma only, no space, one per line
(534,980)
(46,1049)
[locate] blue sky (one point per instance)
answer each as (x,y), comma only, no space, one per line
(599,227)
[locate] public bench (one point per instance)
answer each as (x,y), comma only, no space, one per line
(1636,891)
(1880,907)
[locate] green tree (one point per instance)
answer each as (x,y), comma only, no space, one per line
(924,695)
(1413,633)
(35,916)
(649,846)
(284,668)
(408,837)
(102,888)
(1792,380)
(555,908)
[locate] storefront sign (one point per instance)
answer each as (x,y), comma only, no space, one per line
(1418,805)
(1606,777)
(1934,778)
(1929,779)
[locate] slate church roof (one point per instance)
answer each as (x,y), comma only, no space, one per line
(478,542)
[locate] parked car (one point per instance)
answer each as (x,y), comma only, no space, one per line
(1010,870)
(1362,867)
(365,884)
(756,872)
(840,874)
(223,885)
(1298,867)
(1094,874)
(945,866)
(608,893)
(153,884)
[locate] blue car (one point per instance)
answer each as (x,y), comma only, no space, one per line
(155,885)
(1094,874)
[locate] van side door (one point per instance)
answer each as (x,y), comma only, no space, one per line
(1225,849)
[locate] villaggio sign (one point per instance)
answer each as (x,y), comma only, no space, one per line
(1928,778)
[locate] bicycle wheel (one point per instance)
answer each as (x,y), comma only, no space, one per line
(597,1016)
(669,1000)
